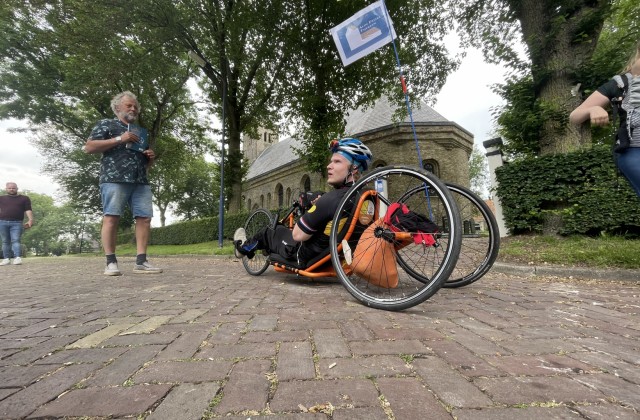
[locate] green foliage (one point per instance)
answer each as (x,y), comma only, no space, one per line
(479,172)
(190,232)
(321,90)
(581,188)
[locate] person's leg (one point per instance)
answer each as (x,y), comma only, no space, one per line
(142,208)
(109,232)
(15,231)
(6,239)
(114,198)
(629,165)
(143,229)
(5,234)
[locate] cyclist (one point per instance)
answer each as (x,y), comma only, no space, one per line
(310,236)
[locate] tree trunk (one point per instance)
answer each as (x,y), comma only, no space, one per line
(551,30)
(560,39)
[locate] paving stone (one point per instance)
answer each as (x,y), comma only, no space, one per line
(608,411)
(363,367)
(275,336)
(22,376)
(366,413)
(295,361)
(540,365)
(122,368)
(186,402)
(524,413)
(397,347)
(462,359)
(330,343)
(527,390)
(29,399)
(247,387)
(119,401)
(613,387)
(449,385)
(183,347)
(348,393)
(174,372)
(136,340)
(408,398)
(226,351)
(92,340)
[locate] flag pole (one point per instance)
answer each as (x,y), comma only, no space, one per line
(404,86)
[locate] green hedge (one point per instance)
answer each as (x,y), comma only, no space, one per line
(190,232)
(581,189)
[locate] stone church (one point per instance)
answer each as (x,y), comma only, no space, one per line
(276,174)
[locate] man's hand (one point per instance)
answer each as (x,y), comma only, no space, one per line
(28,224)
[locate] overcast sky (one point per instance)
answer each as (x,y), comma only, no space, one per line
(466,99)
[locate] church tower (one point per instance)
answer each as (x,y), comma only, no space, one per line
(253,147)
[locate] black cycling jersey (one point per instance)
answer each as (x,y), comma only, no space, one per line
(317,222)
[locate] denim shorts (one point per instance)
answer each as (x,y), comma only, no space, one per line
(115,196)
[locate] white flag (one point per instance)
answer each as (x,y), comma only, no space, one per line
(363,33)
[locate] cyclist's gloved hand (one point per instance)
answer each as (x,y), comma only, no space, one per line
(308,198)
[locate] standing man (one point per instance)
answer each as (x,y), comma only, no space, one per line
(13,208)
(123,180)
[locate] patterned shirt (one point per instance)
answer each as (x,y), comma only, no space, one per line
(119,164)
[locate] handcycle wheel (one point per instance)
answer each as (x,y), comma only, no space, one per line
(258,220)
(480,247)
(421,269)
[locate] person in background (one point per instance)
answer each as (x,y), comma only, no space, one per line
(593,110)
(123,181)
(13,209)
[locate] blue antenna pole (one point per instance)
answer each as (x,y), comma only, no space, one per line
(404,86)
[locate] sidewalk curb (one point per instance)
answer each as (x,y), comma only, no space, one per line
(572,272)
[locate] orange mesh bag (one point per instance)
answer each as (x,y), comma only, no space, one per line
(374,259)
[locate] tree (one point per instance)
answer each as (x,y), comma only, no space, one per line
(560,38)
(322,90)
(61,65)
(520,121)
(479,172)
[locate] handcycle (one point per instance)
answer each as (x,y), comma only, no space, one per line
(407,267)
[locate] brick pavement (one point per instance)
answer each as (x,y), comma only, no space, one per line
(206,340)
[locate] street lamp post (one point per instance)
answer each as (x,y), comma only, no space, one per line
(202,63)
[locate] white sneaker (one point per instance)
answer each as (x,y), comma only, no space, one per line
(112,270)
(17,261)
(240,235)
(6,261)
(146,268)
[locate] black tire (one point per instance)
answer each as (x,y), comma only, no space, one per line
(480,247)
(259,219)
(422,270)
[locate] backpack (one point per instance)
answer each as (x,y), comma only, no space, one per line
(622,136)
(401,219)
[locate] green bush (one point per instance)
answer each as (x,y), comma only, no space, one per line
(190,232)
(582,189)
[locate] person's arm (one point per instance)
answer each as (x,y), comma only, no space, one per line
(29,223)
(102,145)
(299,235)
(591,109)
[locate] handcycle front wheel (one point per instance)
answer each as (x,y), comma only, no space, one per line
(416,271)
(480,246)
(257,221)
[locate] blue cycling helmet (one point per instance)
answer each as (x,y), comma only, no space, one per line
(354,150)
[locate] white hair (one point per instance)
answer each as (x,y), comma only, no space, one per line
(118,98)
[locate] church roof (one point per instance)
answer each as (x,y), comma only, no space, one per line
(381,115)
(360,121)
